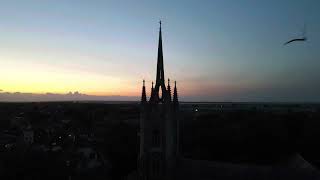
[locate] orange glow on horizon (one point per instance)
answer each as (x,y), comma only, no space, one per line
(42,79)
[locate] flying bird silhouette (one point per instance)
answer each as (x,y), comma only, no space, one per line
(297,39)
(303,38)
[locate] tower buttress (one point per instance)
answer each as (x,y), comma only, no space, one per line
(176,118)
(175,94)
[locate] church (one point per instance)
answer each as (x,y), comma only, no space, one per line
(158,127)
(160,158)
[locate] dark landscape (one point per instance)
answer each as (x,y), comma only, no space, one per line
(90,140)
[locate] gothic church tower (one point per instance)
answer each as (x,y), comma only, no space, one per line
(158,127)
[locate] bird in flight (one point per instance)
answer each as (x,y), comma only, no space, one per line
(296,39)
(303,38)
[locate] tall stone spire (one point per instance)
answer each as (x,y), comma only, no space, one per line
(160,81)
(143,96)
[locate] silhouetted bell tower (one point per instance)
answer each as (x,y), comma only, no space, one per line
(158,127)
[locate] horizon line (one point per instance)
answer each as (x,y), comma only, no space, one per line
(181,102)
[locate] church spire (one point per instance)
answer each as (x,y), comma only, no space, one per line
(152,92)
(175,94)
(169,91)
(143,96)
(160,70)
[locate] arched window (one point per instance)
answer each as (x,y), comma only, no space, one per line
(155,138)
(160,92)
(156,164)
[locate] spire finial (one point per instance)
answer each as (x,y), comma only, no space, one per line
(168,98)
(152,84)
(175,93)
(143,82)
(160,23)
(143,96)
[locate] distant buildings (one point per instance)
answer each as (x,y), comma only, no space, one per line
(54,143)
(28,135)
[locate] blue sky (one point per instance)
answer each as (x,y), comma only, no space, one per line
(216,50)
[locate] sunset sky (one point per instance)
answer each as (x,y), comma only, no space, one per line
(216,50)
